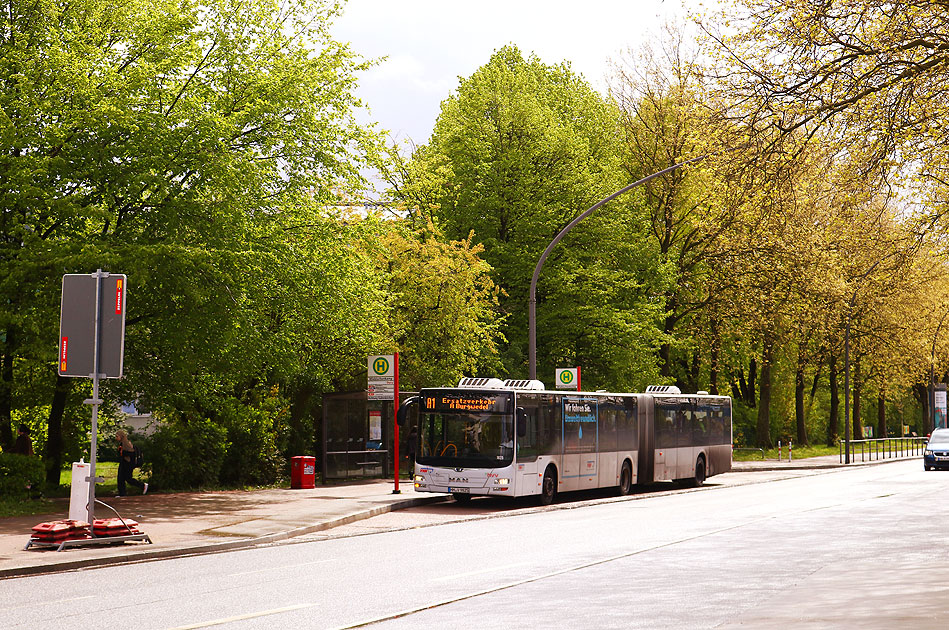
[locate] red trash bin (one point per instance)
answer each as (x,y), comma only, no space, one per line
(302,471)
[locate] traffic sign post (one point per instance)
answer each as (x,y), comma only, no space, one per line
(92,342)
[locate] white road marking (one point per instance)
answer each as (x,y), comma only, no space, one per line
(470,573)
(263,613)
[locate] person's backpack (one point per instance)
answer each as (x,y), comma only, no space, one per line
(138,458)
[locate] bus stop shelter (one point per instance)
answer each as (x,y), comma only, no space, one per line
(358,437)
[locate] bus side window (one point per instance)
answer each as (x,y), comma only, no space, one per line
(683,424)
(716,421)
(664,417)
(701,432)
(551,428)
(607,429)
(627,426)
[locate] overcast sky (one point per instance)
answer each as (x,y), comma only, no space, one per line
(430,43)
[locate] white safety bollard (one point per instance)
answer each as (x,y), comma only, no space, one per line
(79,491)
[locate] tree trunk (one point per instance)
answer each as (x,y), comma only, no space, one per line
(833,423)
(881,414)
(815,384)
(694,372)
(54,439)
(713,358)
(736,390)
(921,393)
(745,391)
(665,360)
(6,392)
(668,326)
(799,414)
(713,368)
(763,427)
(752,385)
(855,405)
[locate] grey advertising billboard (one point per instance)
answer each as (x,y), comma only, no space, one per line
(77,324)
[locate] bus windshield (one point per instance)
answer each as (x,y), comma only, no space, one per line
(466,440)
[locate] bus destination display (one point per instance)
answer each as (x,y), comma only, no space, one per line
(458,402)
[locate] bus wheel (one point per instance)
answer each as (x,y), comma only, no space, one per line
(625,479)
(461,498)
(549,486)
(699,478)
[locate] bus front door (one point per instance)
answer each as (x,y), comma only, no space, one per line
(580,443)
(570,458)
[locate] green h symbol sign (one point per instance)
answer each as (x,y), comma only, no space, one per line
(380,365)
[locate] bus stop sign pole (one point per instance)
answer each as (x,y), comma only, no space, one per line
(395,423)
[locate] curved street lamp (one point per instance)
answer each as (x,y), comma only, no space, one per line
(532,306)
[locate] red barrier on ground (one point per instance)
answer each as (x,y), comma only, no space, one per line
(114,527)
(57,531)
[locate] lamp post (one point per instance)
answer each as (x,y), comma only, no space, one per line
(532,304)
(853,299)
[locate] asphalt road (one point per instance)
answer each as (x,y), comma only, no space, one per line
(862,547)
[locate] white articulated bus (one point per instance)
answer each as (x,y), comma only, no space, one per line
(515,438)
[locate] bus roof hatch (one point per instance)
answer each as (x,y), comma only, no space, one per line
(663,389)
(514,383)
(481,383)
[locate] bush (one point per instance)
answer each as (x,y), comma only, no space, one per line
(744,425)
(21,476)
(237,448)
(252,455)
(187,454)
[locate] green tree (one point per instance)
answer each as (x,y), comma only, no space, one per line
(443,306)
(667,118)
(168,141)
(517,152)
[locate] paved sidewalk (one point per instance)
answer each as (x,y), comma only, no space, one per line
(824,461)
(207,522)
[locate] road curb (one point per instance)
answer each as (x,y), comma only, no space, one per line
(143,553)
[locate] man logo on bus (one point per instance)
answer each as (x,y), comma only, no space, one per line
(566,377)
(380,365)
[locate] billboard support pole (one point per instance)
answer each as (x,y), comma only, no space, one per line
(95,401)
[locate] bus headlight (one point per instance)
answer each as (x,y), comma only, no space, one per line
(502,482)
(419,478)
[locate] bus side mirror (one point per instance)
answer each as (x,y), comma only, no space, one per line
(521,417)
(402,414)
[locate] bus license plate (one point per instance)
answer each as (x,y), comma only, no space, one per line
(460,490)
